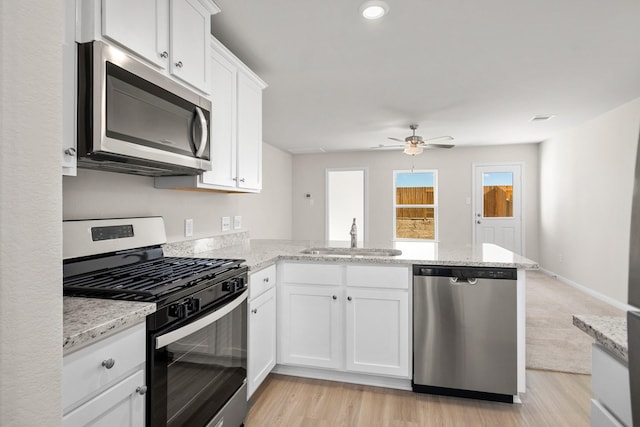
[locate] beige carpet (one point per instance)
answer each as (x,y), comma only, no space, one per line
(553,343)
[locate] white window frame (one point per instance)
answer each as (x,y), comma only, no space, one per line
(434,205)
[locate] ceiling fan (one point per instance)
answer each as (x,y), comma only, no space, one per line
(415,144)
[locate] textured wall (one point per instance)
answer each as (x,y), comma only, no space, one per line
(30,212)
(586,185)
(95,194)
(454,181)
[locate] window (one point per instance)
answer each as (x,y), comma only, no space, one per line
(497,195)
(345,201)
(415,205)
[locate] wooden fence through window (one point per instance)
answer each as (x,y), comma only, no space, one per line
(414,196)
(498,201)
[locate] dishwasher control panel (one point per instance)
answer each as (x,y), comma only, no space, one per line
(466,272)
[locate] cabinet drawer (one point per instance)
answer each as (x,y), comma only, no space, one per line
(261,281)
(83,374)
(610,384)
(374,276)
(311,274)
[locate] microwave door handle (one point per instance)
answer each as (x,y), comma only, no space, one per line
(203,137)
(186,330)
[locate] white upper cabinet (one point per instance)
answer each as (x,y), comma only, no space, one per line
(236,128)
(249,133)
(141,26)
(224,119)
(172,35)
(189,36)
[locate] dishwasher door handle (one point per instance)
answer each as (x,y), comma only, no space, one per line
(468,281)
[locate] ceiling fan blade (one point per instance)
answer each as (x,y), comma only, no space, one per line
(396,139)
(444,137)
(429,145)
(387,147)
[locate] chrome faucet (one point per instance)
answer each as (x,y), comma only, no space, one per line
(354,234)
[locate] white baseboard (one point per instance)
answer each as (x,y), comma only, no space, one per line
(604,298)
(345,377)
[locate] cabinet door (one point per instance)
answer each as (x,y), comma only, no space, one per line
(140,26)
(261,339)
(249,133)
(377,328)
(309,326)
(189,32)
(223,122)
(121,405)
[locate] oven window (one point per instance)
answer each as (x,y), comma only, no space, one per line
(204,369)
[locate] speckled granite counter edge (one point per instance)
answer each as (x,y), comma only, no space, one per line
(87,320)
(610,332)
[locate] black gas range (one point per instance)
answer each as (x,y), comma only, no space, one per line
(196,339)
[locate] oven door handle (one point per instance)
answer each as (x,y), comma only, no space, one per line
(186,330)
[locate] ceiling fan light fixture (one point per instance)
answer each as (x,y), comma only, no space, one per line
(413,150)
(374,9)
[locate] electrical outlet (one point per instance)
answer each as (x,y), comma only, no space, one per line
(237,222)
(188,227)
(226,223)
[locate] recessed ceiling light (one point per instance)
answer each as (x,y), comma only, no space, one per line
(374,9)
(542,118)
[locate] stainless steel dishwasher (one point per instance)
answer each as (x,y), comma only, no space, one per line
(464,332)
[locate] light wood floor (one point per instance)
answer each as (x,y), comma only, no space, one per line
(552,399)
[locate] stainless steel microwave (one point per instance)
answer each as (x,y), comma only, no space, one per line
(132,119)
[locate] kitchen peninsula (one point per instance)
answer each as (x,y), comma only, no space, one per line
(317,330)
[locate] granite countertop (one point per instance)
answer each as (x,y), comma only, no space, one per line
(260,253)
(89,319)
(610,332)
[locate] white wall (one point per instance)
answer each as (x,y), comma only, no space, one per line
(454,180)
(586,185)
(97,194)
(31,37)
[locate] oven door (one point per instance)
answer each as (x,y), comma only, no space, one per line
(196,368)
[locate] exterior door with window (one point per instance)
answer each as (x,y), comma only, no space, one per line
(497,203)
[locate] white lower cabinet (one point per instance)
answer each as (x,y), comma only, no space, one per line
(104,384)
(120,405)
(377,325)
(261,339)
(309,332)
(611,403)
(354,318)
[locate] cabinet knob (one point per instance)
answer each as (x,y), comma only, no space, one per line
(335,297)
(108,363)
(164,55)
(348,298)
(479,222)
(179,64)
(141,390)
(254,311)
(241,179)
(265,280)
(70,151)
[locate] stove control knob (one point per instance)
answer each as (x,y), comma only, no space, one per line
(193,304)
(178,310)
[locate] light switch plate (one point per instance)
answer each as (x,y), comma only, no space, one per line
(226,223)
(237,222)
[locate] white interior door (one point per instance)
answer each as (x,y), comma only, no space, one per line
(497,205)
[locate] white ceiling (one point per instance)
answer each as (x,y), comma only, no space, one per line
(475,70)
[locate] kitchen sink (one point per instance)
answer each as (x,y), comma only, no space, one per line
(352,251)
